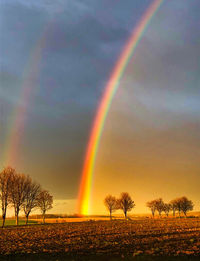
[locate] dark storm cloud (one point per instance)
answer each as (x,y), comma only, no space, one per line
(82,42)
(20,28)
(164,75)
(82,62)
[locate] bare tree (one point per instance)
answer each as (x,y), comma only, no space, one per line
(186,205)
(111,204)
(19,184)
(178,205)
(166,208)
(31,197)
(159,204)
(173,204)
(44,202)
(152,206)
(125,203)
(5,188)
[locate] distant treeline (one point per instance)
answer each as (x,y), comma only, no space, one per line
(125,203)
(22,193)
(180,205)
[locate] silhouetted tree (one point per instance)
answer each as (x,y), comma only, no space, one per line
(182,204)
(152,206)
(31,197)
(173,204)
(186,205)
(166,208)
(178,205)
(5,188)
(44,202)
(125,203)
(19,184)
(111,204)
(159,204)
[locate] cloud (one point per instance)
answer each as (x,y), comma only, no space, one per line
(82,41)
(164,74)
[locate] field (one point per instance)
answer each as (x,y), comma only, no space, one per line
(11,222)
(137,239)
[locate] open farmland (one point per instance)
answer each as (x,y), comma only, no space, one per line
(139,239)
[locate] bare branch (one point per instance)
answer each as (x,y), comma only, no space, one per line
(44,202)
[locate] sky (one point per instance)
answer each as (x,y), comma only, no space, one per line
(64,52)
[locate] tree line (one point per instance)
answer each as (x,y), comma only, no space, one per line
(22,193)
(180,205)
(126,204)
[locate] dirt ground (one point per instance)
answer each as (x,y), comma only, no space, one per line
(138,239)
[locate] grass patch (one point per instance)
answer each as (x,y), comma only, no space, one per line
(11,222)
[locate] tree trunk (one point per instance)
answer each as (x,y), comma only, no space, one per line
(26,219)
(174,212)
(110,215)
(17,220)
(125,214)
(17,217)
(43,218)
(3,220)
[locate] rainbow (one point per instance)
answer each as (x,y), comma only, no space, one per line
(18,119)
(29,85)
(102,111)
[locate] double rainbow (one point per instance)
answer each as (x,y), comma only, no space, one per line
(31,74)
(110,90)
